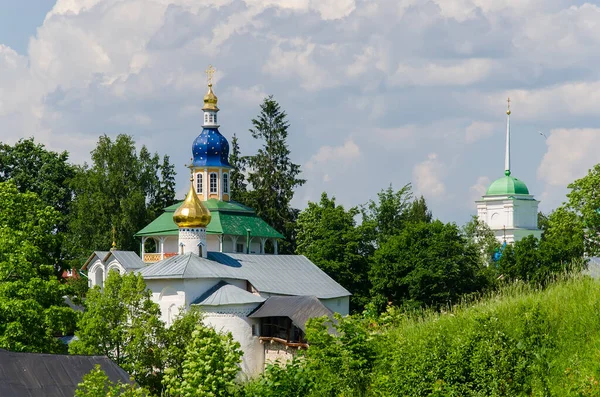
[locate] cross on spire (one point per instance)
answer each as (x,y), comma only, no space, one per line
(209,74)
(508,101)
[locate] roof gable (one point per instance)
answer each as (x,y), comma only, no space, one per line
(129,260)
(99,255)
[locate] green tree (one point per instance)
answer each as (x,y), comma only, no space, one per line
(418,211)
(341,362)
(584,201)
(121,189)
(238,167)
(178,337)
(122,323)
(210,366)
(273,176)
(387,216)
(32,309)
(479,234)
(327,234)
(97,384)
(563,240)
(291,379)
(427,264)
(33,168)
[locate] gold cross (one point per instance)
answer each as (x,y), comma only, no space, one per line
(209,74)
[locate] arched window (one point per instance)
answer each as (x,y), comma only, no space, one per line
(198,183)
(226,183)
(213,183)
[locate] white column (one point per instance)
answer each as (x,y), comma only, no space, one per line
(205,184)
(234,240)
(220,184)
(143,248)
(275,246)
(262,245)
(162,248)
(220,237)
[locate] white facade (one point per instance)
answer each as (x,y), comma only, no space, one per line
(193,239)
(510,217)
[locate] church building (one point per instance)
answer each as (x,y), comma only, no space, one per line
(507,206)
(211,255)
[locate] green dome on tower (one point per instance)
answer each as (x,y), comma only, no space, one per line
(507,185)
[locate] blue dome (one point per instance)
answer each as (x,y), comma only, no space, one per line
(211,149)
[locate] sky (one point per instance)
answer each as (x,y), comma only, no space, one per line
(377,92)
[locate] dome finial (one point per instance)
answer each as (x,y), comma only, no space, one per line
(507,154)
(209,74)
(114,243)
(210,99)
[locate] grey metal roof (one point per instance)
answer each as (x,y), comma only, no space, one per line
(50,375)
(275,274)
(224,293)
(128,259)
(96,254)
(297,308)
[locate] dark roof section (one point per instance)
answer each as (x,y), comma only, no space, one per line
(297,308)
(49,375)
(224,293)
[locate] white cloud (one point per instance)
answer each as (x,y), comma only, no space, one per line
(478,130)
(478,189)
(571,152)
(428,176)
(434,74)
(334,155)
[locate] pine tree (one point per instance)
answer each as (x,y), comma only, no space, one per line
(166,191)
(273,175)
(238,167)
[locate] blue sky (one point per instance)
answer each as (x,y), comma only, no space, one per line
(377,92)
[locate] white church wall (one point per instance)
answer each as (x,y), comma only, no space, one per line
(171,244)
(212,241)
(169,295)
(338,305)
(240,326)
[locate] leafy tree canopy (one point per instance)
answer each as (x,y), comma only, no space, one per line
(32,310)
(121,189)
(122,323)
(427,264)
(327,234)
(210,366)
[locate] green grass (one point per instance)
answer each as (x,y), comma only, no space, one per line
(519,341)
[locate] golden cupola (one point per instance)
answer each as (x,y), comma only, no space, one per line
(210,100)
(192,213)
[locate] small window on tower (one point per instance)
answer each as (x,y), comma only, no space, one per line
(213,183)
(206,117)
(215,117)
(226,183)
(198,183)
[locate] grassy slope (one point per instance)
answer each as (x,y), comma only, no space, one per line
(518,342)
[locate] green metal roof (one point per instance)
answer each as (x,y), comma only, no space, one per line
(507,185)
(226,218)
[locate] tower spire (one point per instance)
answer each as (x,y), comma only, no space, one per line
(507,154)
